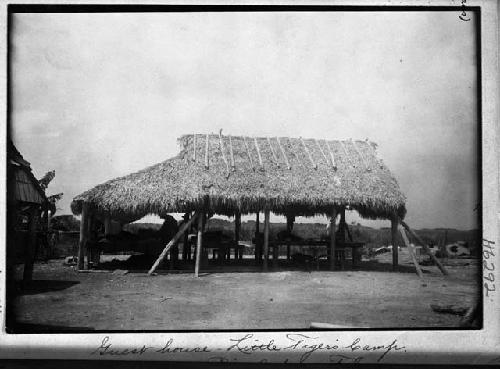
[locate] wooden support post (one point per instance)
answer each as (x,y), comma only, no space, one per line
(332,239)
(89,247)
(171,243)
(29,254)
(411,251)
(107,226)
(83,237)
(290,219)
(237,227)
(394,240)
(199,245)
(257,235)
(266,237)
(185,243)
(427,249)
(342,226)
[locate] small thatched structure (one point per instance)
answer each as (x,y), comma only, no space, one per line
(233,175)
(245,174)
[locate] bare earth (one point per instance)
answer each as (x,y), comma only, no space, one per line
(371,296)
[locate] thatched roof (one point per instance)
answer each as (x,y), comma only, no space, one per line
(290,175)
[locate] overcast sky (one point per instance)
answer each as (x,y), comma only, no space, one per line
(96,96)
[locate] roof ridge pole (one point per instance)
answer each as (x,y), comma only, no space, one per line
(194,147)
(272,152)
(315,166)
(331,154)
(248,152)
(223,153)
(360,155)
(206,152)
(233,167)
(321,150)
(258,151)
(283,152)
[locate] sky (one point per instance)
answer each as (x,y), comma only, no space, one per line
(97,96)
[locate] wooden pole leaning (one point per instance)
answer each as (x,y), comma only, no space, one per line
(394,239)
(426,248)
(199,244)
(332,239)
(179,233)
(411,251)
(266,237)
(83,236)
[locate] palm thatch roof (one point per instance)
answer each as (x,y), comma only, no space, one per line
(229,174)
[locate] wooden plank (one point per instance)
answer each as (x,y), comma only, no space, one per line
(426,247)
(332,239)
(83,236)
(179,233)
(266,237)
(199,244)
(315,166)
(410,250)
(394,240)
(284,154)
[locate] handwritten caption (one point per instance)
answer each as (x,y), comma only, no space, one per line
(488,266)
(301,347)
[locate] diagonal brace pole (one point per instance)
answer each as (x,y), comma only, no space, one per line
(172,242)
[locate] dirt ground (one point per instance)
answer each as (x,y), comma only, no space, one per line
(242,298)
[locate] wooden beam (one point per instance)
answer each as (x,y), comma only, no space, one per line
(321,150)
(330,151)
(394,240)
(332,239)
(411,251)
(426,248)
(171,243)
(348,159)
(360,154)
(199,244)
(266,237)
(83,236)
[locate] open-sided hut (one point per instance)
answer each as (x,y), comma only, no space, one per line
(234,175)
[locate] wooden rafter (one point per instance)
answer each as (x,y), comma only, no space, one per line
(248,153)
(315,166)
(284,154)
(206,152)
(273,153)
(258,150)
